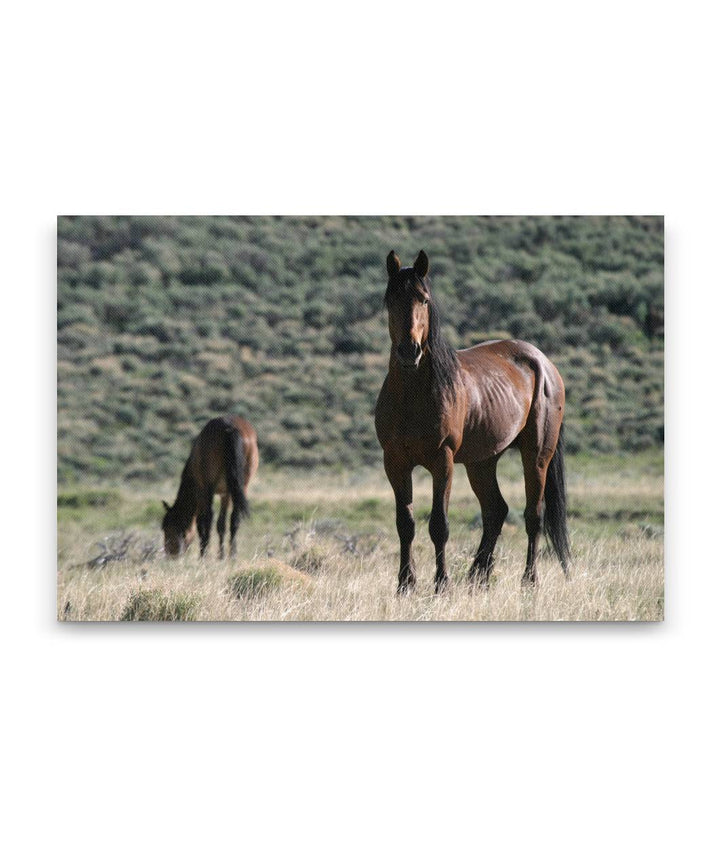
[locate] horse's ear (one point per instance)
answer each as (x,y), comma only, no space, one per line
(422,264)
(393,263)
(165,505)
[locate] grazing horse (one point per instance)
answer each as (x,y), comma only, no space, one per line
(223,459)
(439,407)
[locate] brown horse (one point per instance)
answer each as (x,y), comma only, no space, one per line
(439,407)
(223,459)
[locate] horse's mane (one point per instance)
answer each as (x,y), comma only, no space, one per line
(444,361)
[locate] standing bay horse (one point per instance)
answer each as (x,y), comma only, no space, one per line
(439,407)
(223,459)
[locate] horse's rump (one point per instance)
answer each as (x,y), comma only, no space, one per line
(235,458)
(509,383)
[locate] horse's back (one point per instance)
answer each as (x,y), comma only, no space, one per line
(511,349)
(519,362)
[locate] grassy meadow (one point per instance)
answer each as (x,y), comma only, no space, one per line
(324,548)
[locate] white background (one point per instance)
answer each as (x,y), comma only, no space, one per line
(359,739)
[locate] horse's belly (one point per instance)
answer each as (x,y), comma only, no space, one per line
(480,446)
(486,436)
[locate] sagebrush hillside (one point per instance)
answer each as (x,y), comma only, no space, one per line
(166,321)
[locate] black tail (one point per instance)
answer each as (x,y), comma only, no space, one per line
(555,520)
(235,470)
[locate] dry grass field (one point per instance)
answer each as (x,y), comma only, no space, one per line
(324,548)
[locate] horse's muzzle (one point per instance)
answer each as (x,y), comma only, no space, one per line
(409,355)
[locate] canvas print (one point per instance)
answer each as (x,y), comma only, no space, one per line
(392,418)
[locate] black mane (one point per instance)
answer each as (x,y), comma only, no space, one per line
(444,362)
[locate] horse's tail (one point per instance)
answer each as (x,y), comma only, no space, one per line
(235,469)
(555,518)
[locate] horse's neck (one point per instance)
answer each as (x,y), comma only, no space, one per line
(420,396)
(186,500)
(412,391)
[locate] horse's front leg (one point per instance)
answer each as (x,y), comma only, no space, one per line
(442,471)
(204,518)
(399,475)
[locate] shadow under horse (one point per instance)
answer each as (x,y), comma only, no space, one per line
(223,459)
(438,407)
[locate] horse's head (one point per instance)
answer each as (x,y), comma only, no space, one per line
(177,537)
(408,303)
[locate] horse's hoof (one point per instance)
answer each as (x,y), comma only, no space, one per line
(479,577)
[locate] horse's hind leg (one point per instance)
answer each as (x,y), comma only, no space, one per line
(221,524)
(239,509)
(535,469)
(234,522)
(204,519)
(483,481)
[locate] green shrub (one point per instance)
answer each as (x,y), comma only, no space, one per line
(257,578)
(253,582)
(311,560)
(88,499)
(155,605)
(284,318)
